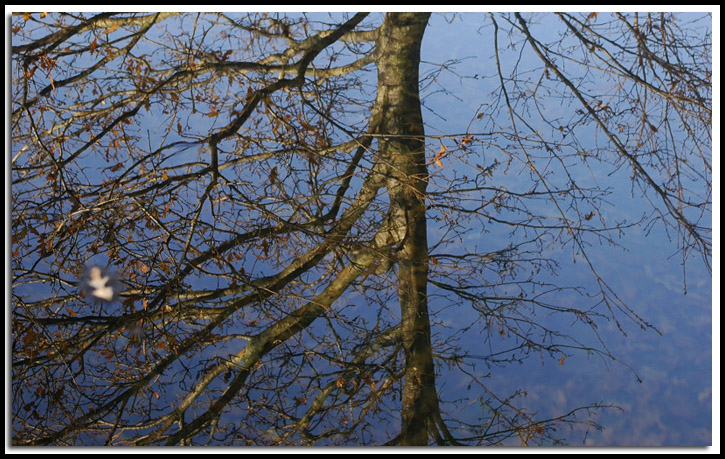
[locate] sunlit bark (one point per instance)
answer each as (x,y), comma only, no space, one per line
(402,145)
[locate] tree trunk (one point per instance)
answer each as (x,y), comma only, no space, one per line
(403,147)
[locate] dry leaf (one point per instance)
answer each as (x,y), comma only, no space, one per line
(440,155)
(468,139)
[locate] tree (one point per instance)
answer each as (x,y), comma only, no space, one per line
(264,187)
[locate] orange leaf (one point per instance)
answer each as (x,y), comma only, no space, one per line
(94,45)
(466,140)
(561,361)
(440,155)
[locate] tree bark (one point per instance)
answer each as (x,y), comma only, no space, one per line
(402,145)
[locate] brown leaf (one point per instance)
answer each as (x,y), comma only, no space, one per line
(440,155)
(468,139)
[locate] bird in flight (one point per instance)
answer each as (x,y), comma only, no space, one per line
(100,284)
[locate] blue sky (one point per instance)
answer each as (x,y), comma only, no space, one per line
(675,366)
